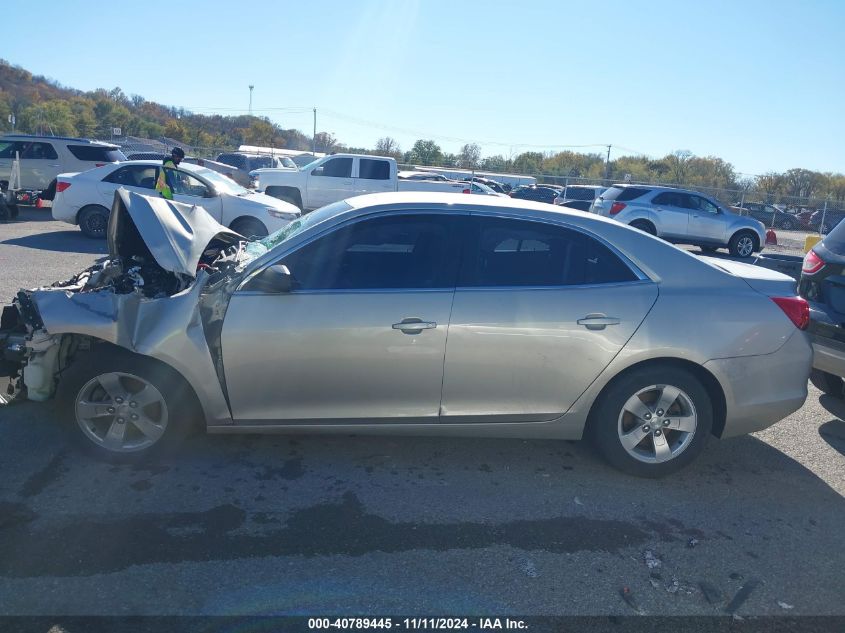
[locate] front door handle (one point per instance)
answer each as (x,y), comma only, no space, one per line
(414,325)
(597,321)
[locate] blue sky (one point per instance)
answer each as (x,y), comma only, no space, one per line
(760,84)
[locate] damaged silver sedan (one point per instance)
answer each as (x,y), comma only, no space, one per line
(426,314)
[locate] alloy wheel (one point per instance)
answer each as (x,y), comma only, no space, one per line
(657,423)
(745,246)
(121,412)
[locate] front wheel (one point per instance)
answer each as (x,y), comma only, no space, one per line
(828,383)
(787,224)
(743,244)
(122,407)
(250,228)
(652,422)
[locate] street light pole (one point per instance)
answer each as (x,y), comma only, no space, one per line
(314,138)
(607,165)
(250,99)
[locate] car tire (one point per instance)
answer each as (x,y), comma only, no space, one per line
(787,224)
(645,226)
(99,386)
(744,244)
(661,449)
(709,249)
(286,194)
(250,228)
(94,221)
(828,383)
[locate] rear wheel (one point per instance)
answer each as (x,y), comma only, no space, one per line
(645,226)
(250,228)
(123,407)
(708,249)
(828,383)
(652,422)
(787,224)
(743,244)
(93,221)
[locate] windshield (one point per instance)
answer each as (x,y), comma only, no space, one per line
(221,183)
(260,247)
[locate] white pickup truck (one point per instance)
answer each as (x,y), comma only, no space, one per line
(340,176)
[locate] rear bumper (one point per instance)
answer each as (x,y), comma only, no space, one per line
(828,356)
(761,390)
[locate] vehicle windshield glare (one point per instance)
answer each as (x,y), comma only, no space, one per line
(260,247)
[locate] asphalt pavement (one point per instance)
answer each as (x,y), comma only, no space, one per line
(360,525)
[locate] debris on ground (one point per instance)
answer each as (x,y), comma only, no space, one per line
(711,593)
(654,583)
(628,597)
(651,560)
(578,502)
(783,605)
(676,586)
(692,542)
(742,595)
(529,569)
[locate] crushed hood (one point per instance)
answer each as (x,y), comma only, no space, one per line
(175,235)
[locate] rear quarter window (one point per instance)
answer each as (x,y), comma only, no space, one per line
(96,154)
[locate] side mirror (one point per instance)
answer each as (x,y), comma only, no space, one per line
(275,279)
(209,193)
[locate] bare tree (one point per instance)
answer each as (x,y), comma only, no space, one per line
(470,156)
(388,146)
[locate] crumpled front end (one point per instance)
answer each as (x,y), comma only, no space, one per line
(142,298)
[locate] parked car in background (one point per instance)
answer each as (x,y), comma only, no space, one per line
(495,185)
(586,193)
(825,221)
(770,215)
(538,193)
(42,158)
(332,178)
(488,302)
(681,217)
(244,163)
(424,175)
(580,205)
(86,199)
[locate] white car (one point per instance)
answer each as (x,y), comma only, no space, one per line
(86,198)
(42,158)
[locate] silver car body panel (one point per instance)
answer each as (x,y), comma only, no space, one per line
(681,309)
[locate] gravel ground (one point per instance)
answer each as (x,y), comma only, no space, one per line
(359,525)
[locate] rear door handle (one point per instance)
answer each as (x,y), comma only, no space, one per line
(597,321)
(414,325)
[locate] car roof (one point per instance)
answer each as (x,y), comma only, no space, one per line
(82,141)
(585,186)
(156,163)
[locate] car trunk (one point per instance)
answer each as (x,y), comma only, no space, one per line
(764,280)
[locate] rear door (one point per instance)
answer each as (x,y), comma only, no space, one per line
(374,176)
(672,214)
(138,178)
(329,182)
(540,310)
(39,164)
(706,221)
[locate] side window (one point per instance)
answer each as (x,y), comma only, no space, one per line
(335,168)
(133,176)
(703,204)
(39,151)
(505,252)
(669,198)
(374,169)
(408,251)
(7,149)
(185,184)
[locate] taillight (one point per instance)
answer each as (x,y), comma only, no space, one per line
(61,185)
(796,308)
(466,191)
(99,164)
(812,263)
(616,207)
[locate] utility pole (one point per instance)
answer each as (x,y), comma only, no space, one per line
(314,138)
(250,99)
(607,165)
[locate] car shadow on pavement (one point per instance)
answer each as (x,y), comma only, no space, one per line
(833,433)
(61,241)
(550,511)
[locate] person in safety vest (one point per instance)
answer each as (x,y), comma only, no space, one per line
(165,184)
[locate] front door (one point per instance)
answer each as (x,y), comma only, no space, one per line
(361,337)
(329,182)
(189,189)
(540,310)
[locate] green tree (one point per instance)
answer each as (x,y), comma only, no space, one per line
(426,152)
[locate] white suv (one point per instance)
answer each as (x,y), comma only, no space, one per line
(42,158)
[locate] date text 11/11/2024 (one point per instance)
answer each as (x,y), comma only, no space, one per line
(415,624)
